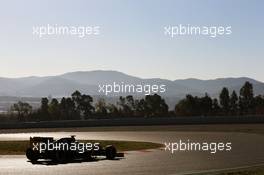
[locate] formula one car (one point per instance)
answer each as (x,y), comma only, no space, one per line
(67,149)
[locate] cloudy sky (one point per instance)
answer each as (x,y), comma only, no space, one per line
(132,38)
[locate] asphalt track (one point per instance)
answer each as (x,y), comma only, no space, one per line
(247,149)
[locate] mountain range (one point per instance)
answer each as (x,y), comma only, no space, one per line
(88,81)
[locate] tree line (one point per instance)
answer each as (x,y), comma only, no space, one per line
(228,103)
(81,106)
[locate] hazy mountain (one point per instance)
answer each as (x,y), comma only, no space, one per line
(88,81)
(56,86)
(100,77)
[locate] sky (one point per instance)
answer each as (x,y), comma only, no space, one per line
(132,38)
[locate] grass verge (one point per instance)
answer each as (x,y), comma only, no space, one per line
(19,147)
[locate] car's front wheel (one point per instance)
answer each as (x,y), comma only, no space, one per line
(110,152)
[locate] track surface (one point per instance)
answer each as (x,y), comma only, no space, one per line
(247,149)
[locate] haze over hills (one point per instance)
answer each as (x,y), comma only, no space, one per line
(30,89)
(88,81)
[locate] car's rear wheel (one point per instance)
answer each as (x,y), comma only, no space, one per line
(87,155)
(61,156)
(33,156)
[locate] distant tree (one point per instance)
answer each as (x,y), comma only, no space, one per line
(246,98)
(101,108)
(215,107)
(54,109)
(188,106)
(44,105)
(44,109)
(234,103)
(259,105)
(181,108)
(155,106)
(225,100)
(86,106)
(22,109)
(83,104)
(206,105)
(195,106)
(121,102)
(77,99)
(67,109)
(140,106)
(130,102)
(63,109)
(126,106)
(113,110)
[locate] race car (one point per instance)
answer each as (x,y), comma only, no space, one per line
(67,149)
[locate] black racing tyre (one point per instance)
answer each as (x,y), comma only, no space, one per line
(87,155)
(110,152)
(61,156)
(33,156)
